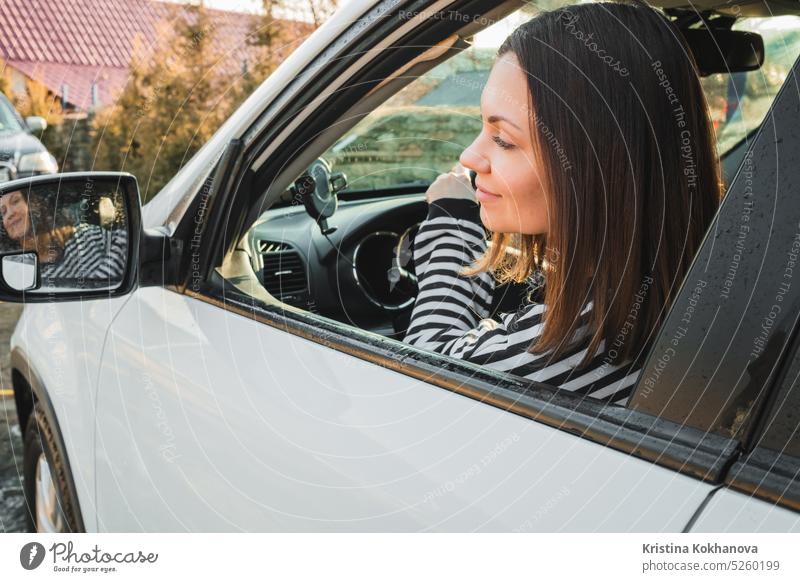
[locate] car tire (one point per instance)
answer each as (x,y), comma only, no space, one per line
(51,507)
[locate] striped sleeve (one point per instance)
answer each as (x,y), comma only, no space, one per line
(451,314)
(91,254)
(450,309)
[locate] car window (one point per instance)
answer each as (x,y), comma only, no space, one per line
(738,102)
(408,140)
(418,133)
(9,122)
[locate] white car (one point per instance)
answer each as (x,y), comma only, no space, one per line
(226,366)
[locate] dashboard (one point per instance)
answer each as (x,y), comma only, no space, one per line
(351,275)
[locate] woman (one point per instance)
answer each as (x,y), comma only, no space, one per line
(596,171)
(69,256)
(32,227)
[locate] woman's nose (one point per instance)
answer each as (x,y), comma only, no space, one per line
(472,160)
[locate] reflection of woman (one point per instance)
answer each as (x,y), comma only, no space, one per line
(14,211)
(596,170)
(84,252)
(31,227)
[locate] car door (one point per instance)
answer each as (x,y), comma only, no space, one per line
(211,420)
(221,410)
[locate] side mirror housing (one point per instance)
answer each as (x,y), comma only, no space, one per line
(67,237)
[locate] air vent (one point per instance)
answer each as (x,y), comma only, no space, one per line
(271,246)
(284,273)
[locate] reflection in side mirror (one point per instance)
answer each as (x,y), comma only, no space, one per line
(19,271)
(68,235)
(78,230)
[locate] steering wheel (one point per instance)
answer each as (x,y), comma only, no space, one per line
(402,273)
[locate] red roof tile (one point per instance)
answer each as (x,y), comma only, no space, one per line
(78,42)
(76,32)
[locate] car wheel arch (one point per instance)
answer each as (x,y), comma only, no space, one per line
(28,391)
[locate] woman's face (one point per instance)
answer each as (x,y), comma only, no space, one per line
(14,211)
(509,177)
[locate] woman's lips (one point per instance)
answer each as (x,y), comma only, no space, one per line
(485,196)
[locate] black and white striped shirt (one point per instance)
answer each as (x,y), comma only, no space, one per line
(451,313)
(93,257)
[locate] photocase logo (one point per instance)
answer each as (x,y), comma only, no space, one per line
(31,555)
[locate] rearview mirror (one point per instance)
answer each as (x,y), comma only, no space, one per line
(68,236)
(725,51)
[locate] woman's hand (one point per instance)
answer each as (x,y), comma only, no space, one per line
(454,184)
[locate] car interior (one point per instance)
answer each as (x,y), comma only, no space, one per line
(338,241)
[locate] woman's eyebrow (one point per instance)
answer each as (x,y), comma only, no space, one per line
(496,118)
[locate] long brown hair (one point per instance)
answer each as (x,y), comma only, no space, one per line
(622,132)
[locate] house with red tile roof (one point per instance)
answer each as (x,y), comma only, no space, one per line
(81,49)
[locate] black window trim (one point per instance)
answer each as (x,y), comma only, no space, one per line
(773,476)
(767,475)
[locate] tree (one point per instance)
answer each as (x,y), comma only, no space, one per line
(5,79)
(266,39)
(182,88)
(177,95)
(37,100)
(321,10)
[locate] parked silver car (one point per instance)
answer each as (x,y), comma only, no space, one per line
(22,155)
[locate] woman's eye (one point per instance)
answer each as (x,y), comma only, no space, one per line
(503,144)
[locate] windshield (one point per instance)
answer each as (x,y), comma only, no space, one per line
(739,101)
(9,122)
(421,131)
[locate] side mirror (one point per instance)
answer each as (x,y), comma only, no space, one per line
(69,236)
(36,124)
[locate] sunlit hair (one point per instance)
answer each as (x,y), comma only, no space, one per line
(632,182)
